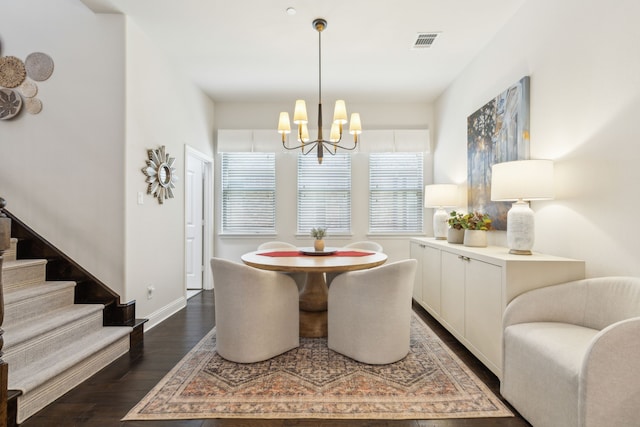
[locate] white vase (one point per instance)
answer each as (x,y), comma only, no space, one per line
(475,238)
(455,236)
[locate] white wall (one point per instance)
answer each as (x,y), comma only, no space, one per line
(163,108)
(61,170)
(73,172)
(585,101)
(374,117)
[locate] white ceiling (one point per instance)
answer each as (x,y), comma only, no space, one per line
(253,51)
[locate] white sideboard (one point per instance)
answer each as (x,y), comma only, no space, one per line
(467,289)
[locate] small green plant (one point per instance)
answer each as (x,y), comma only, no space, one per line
(456,220)
(476,221)
(318,232)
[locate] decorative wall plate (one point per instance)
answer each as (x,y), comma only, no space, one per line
(12,71)
(39,66)
(10,103)
(28,88)
(32,105)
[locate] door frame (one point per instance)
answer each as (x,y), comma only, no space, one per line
(207,204)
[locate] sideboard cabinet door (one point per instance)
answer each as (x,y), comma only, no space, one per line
(452,293)
(483,309)
(415,251)
(426,289)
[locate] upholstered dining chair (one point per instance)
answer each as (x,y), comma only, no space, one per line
(275,244)
(300,278)
(365,245)
(369,312)
(256,312)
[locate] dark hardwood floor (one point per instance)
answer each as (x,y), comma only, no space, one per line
(105,398)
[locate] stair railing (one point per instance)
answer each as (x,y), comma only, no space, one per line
(5,241)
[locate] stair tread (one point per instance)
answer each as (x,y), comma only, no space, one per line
(18,263)
(34,374)
(40,325)
(21,294)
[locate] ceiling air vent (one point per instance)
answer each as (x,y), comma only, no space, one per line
(424,40)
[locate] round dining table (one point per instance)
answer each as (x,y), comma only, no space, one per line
(313,296)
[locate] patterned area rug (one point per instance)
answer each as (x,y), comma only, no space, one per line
(315,382)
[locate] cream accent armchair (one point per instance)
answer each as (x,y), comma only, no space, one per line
(572,353)
(369,313)
(364,245)
(257,314)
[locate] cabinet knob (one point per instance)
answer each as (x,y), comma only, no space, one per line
(464,258)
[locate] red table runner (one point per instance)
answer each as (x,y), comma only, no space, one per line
(298,253)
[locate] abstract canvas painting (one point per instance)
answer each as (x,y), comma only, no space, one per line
(497,132)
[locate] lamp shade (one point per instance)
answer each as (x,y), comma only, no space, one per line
(440,195)
(522,180)
(334,135)
(340,112)
(355,127)
(284,126)
(304,133)
(300,112)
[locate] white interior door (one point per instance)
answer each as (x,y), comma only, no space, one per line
(195,221)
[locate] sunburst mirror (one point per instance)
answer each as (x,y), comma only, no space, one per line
(160,173)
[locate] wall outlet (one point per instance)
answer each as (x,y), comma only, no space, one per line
(150,290)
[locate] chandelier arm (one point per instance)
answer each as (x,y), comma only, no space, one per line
(342,147)
(308,145)
(311,145)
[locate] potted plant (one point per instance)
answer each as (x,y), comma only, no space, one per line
(318,233)
(476,225)
(456,222)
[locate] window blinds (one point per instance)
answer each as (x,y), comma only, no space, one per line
(248,192)
(395,192)
(324,193)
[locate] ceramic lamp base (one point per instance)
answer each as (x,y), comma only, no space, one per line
(440,226)
(520,228)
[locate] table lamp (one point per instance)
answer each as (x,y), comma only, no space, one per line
(521,180)
(439,196)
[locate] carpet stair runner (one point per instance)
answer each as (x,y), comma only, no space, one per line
(51,344)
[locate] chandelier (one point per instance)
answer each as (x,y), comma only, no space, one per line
(300,118)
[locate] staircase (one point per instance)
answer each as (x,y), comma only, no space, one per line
(55,324)
(51,344)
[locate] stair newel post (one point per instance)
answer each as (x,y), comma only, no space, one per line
(5,240)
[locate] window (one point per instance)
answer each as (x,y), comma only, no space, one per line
(324,193)
(395,193)
(248,193)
